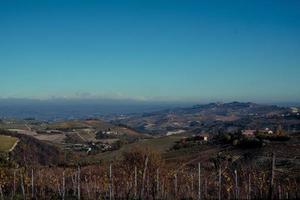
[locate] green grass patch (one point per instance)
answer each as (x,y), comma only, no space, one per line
(13,126)
(7,142)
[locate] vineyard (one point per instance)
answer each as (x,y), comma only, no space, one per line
(143,174)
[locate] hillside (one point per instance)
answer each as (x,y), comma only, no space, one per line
(211,118)
(215,151)
(236,140)
(30,151)
(7,143)
(78,137)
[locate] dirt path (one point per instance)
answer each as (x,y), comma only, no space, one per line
(14,146)
(28,127)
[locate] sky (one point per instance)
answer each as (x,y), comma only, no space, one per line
(151,50)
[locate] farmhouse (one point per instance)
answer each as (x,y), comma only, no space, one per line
(268,131)
(294,110)
(202,136)
(248,133)
(205,136)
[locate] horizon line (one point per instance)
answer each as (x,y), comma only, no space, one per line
(149,100)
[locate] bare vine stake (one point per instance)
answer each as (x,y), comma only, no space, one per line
(175,185)
(135,182)
(32,184)
(192,186)
(64,186)
(94,184)
(157,182)
(147,186)
(220,183)
(246,191)
(22,186)
(144,177)
(14,190)
(205,189)
(199,181)
(236,184)
(78,183)
(74,182)
(249,187)
(163,189)
(279,192)
(1,193)
(128,186)
(110,182)
(87,186)
(59,190)
(272,177)
(98,180)
(40,177)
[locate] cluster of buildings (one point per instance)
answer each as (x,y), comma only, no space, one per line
(251,133)
(109,132)
(89,148)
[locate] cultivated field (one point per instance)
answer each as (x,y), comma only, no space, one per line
(7,142)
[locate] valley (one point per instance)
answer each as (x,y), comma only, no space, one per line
(233,136)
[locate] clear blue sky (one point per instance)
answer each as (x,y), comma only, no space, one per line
(154,50)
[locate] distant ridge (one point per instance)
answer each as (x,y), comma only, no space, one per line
(62,109)
(205,117)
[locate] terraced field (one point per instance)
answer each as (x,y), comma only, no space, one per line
(7,142)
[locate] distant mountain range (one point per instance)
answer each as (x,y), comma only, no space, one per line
(138,114)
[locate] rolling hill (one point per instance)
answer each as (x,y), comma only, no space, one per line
(210,118)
